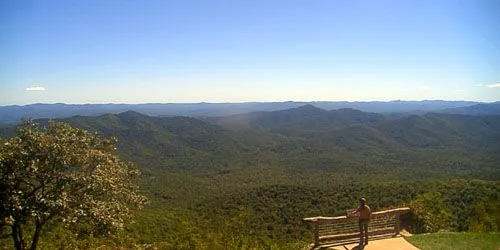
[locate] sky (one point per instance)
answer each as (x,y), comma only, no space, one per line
(178,51)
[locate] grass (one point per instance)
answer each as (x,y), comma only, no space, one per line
(456,241)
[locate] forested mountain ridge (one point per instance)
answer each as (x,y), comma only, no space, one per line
(444,130)
(304,139)
(156,141)
(14,113)
(300,119)
(251,178)
(477,109)
(427,130)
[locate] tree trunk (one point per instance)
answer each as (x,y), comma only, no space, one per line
(36,235)
(17,236)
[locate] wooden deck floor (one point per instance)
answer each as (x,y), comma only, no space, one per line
(397,243)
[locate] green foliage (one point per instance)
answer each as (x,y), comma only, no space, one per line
(431,213)
(247,183)
(65,174)
(486,215)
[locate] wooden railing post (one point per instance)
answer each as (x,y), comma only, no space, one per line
(315,226)
(397,225)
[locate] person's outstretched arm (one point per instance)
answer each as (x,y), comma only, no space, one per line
(353,213)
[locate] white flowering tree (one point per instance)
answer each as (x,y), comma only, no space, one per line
(65,174)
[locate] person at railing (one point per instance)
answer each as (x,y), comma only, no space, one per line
(364,213)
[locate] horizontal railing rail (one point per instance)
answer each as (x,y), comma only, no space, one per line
(331,230)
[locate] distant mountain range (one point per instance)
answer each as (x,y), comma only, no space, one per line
(14,113)
(478,109)
(305,138)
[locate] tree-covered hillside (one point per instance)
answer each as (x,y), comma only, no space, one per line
(307,138)
(300,119)
(15,113)
(247,181)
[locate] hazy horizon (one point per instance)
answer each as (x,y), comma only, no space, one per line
(249,102)
(135,52)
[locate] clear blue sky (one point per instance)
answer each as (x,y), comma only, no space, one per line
(135,51)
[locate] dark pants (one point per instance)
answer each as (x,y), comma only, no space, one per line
(363,230)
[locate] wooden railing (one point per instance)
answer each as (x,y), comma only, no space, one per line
(343,229)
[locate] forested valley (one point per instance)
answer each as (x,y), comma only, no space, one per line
(246,181)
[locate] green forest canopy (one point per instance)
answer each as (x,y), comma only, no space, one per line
(218,184)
